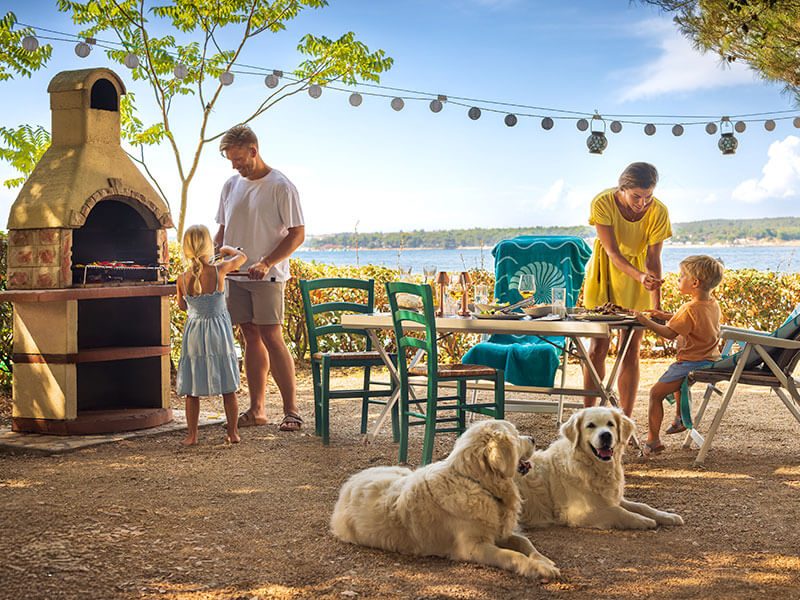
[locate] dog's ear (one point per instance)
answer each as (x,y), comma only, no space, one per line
(572,428)
(625,427)
(501,455)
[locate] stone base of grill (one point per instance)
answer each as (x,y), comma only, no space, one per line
(96,421)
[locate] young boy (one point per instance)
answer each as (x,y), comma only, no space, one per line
(696,325)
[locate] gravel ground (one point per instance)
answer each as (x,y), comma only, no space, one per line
(147,518)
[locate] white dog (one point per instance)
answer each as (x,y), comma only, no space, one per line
(578,481)
(464,507)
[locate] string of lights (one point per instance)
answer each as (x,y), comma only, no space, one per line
(593,121)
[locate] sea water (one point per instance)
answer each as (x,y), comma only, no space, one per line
(762,258)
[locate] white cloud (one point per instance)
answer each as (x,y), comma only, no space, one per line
(780,176)
(679,67)
(552,195)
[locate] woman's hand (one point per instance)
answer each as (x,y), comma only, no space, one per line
(650,282)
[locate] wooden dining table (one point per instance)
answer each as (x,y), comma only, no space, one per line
(574,332)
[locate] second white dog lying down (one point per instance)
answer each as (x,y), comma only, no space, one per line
(578,481)
(464,507)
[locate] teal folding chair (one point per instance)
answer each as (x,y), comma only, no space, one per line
(335,296)
(766,360)
(441,413)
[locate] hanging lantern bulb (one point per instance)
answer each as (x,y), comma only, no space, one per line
(398,104)
(769,125)
(226,78)
(180,71)
(355,99)
(436,105)
(474,113)
(271,81)
(547,123)
(796,122)
(315,90)
(649,129)
(582,124)
(711,128)
(597,141)
(131,61)
(510,120)
(30,43)
(616,126)
(740,126)
(677,130)
(727,142)
(82,49)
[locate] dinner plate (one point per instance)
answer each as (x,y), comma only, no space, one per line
(507,316)
(588,317)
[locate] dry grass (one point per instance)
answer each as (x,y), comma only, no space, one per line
(146,518)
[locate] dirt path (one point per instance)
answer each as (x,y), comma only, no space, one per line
(146,518)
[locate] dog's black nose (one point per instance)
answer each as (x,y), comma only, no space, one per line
(605,438)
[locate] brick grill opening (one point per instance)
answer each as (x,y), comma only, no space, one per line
(87,258)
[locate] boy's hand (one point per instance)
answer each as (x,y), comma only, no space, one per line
(659,314)
(642,318)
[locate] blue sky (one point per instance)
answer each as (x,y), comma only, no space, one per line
(381,170)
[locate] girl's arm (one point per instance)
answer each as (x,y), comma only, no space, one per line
(179,285)
(605,233)
(652,264)
(232,259)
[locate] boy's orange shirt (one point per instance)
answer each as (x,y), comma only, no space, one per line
(697,326)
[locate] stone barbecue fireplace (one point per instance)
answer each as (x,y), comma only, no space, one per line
(87,258)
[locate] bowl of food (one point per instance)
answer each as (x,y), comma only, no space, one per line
(538,310)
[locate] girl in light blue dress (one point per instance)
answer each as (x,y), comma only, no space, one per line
(208,364)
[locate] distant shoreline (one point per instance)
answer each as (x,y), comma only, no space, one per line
(489,248)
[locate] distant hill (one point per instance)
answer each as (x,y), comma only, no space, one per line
(713,231)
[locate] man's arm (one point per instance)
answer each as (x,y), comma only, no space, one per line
(284,249)
(220,235)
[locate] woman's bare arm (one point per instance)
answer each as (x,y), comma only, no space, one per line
(605,233)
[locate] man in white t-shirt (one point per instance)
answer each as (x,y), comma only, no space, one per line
(259,212)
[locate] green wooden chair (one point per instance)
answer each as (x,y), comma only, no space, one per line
(441,413)
(322,322)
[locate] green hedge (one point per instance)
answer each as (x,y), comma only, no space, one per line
(748,298)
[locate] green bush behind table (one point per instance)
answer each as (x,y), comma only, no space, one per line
(748,298)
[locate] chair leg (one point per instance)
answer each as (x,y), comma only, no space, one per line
(500,395)
(710,389)
(402,456)
(316,376)
(365,401)
(461,412)
(325,400)
(430,423)
(395,421)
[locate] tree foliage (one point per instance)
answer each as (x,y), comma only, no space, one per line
(14,59)
(764,34)
(216,34)
(22,147)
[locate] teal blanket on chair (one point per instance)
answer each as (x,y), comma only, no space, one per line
(555,261)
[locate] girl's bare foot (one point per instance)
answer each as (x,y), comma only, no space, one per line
(189,442)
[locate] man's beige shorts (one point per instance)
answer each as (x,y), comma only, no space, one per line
(259,302)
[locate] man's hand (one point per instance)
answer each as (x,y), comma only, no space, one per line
(258,270)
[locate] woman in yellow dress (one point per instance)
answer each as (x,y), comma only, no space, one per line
(625,267)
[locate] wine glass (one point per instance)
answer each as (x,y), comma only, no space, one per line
(405,272)
(526,285)
(429,271)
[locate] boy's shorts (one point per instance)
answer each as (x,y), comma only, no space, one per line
(680,369)
(259,302)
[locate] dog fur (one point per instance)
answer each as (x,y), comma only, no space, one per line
(464,507)
(579,482)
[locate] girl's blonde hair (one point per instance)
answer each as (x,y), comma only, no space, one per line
(197,245)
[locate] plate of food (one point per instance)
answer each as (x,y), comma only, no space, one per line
(604,312)
(498,315)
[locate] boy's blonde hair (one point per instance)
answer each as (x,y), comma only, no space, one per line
(197,244)
(708,271)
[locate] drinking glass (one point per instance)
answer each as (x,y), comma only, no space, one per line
(558,296)
(405,272)
(453,298)
(481,294)
(527,285)
(429,271)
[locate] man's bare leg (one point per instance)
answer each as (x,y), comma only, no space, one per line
(282,365)
(256,367)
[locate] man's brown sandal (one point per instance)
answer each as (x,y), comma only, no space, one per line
(291,422)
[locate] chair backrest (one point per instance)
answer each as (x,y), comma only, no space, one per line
(322,319)
(426,318)
(554,261)
(785,358)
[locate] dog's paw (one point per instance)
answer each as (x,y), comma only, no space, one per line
(670,519)
(548,572)
(537,556)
